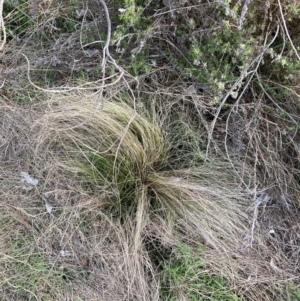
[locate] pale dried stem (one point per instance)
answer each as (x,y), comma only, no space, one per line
(2,26)
(286,30)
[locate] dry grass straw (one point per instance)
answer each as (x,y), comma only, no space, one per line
(117,196)
(71,29)
(261,143)
(120,206)
(119,150)
(20,274)
(15,122)
(123,154)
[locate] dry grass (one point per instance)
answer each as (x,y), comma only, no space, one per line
(105,220)
(113,226)
(116,147)
(126,179)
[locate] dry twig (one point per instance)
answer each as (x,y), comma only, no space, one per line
(90,85)
(286,30)
(2,26)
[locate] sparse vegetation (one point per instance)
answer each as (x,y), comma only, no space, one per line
(152,154)
(185,276)
(29,275)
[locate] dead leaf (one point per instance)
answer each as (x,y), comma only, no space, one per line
(28,179)
(273,266)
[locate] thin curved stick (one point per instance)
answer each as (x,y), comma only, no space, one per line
(68,89)
(2,26)
(106,53)
(286,30)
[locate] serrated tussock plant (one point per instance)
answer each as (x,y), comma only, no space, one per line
(127,154)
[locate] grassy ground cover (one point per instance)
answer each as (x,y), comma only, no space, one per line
(149,150)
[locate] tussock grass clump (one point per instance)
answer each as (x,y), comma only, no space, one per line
(126,156)
(125,153)
(110,146)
